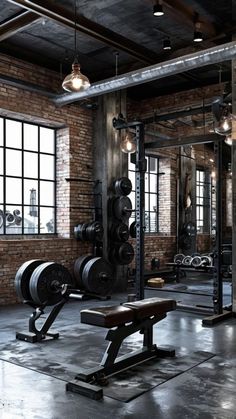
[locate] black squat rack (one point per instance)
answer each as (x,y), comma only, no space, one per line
(217,310)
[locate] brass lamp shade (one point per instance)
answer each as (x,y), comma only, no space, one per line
(75,81)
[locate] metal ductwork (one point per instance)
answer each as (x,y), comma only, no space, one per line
(154,72)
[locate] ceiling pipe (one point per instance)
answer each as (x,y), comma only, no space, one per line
(154,72)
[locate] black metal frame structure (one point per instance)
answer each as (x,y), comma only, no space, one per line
(23,178)
(217,309)
(37,335)
(86,382)
(140,169)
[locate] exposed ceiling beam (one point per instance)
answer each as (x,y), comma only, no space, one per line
(62,16)
(192,110)
(176,142)
(16,24)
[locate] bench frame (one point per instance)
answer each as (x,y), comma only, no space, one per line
(86,381)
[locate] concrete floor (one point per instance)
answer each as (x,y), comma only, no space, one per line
(207,390)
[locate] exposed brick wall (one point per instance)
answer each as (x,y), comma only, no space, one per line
(204,243)
(74,157)
(161,247)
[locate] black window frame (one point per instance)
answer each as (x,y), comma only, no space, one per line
(37,231)
(148,194)
(203,201)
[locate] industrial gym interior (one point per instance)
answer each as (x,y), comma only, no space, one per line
(118,209)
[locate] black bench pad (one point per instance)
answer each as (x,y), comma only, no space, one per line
(151,307)
(107,316)
(128,312)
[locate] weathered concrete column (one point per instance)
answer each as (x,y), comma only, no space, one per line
(109,162)
(234,182)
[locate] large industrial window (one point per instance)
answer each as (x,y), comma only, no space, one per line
(27,178)
(151,193)
(203,201)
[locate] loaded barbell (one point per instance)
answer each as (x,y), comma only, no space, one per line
(41,283)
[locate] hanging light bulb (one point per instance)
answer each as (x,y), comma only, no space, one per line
(225,125)
(75,81)
(128,144)
(228,140)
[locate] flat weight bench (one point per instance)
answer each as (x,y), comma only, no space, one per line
(127,319)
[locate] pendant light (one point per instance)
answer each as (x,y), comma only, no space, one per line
(75,81)
(128,143)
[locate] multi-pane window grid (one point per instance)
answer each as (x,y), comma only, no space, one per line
(203,201)
(27,178)
(151,193)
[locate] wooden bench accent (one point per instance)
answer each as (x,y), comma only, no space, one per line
(122,321)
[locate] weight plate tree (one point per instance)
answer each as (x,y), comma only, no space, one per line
(46,283)
(140,168)
(98,276)
(78,269)
(22,279)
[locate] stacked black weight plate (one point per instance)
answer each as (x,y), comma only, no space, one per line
(119,232)
(94,231)
(132,230)
(91,232)
(122,207)
(22,278)
(98,276)
(46,283)
(122,253)
(123,186)
(78,269)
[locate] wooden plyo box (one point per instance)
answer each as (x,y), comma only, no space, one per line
(156,282)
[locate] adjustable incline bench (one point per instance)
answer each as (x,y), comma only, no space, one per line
(123,321)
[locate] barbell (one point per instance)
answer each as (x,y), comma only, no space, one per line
(41,283)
